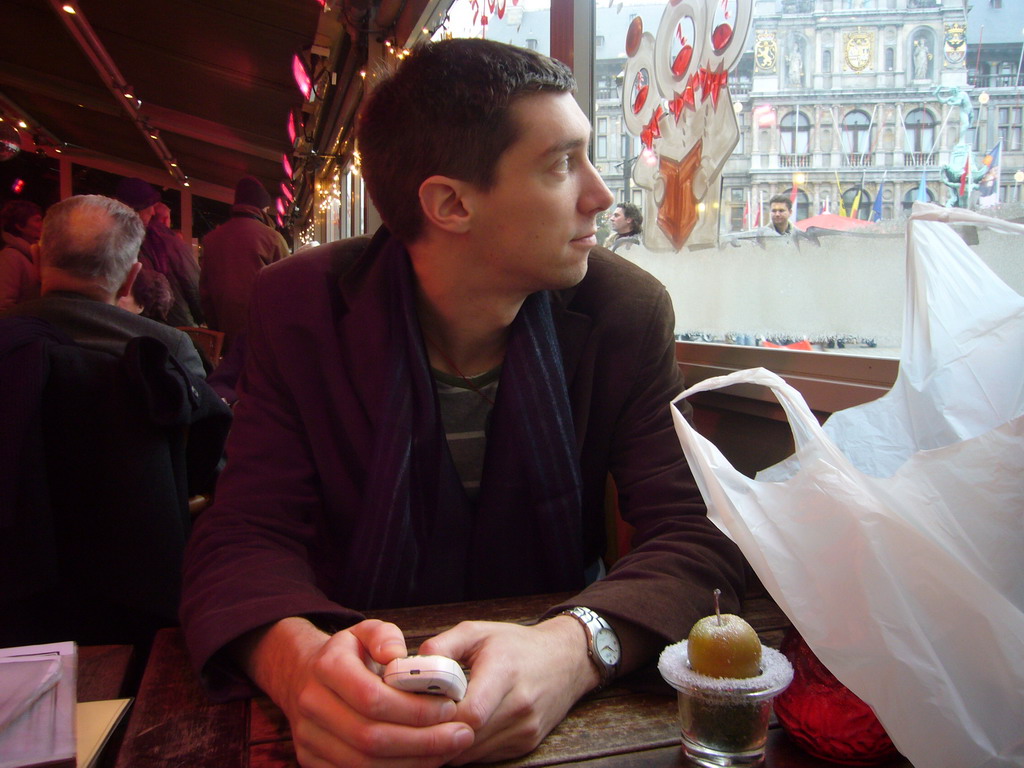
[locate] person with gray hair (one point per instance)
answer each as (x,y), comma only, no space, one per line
(88,259)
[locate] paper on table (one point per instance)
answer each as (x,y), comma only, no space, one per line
(37,705)
(96,720)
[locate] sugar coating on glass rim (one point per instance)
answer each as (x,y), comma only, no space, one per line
(674,666)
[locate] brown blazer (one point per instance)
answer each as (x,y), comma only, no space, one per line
(304,430)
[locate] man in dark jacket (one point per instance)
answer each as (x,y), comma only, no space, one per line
(431,416)
(164,252)
(233,254)
(88,256)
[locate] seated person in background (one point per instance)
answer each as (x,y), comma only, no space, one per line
(20,222)
(150,296)
(350,484)
(88,257)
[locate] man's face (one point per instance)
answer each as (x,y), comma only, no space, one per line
(33,228)
(535,227)
(619,222)
(780,216)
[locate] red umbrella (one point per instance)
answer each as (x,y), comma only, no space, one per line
(832,221)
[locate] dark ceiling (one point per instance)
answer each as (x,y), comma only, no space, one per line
(214,78)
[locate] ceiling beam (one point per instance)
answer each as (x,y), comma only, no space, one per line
(122,167)
(209,131)
(78,26)
(162,118)
(57,88)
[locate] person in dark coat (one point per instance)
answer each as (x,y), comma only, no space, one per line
(233,254)
(163,251)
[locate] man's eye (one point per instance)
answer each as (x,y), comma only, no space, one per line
(563,164)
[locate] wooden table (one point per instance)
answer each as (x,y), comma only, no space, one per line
(103,671)
(174,724)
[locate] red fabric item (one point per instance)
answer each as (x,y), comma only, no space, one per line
(803,345)
(824,716)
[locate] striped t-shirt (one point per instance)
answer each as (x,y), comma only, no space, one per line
(466,414)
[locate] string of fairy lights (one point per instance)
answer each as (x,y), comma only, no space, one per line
(330,186)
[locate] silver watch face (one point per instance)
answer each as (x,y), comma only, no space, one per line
(607,644)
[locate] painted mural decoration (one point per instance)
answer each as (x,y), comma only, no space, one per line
(678,103)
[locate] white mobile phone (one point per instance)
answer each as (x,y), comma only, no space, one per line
(437,675)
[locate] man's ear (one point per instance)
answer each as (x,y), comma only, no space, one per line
(129,280)
(443,202)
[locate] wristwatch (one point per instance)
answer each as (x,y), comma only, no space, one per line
(602,642)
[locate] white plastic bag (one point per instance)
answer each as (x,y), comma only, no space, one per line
(905,573)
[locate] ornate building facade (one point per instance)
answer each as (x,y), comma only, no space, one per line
(850,98)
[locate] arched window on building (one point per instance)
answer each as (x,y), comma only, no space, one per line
(826,62)
(801,207)
(920,135)
(890,59)
(858,137)
(794,136)
(910,197)
(863,207)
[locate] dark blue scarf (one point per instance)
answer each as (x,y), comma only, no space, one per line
(419,539)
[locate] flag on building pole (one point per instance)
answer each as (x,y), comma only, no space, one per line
(792,203)
(988,187)
(876,210)
(965,174)
(746,212)
(855,207)
(922,188)
(757,218)
(842,205)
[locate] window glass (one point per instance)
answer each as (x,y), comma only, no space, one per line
(850,109)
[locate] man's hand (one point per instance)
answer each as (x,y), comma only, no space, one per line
(341,712)
(523,681)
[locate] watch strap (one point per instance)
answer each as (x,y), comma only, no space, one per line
(592,623)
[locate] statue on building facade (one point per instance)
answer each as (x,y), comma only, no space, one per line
(795,65)
(958,98)
(922,55)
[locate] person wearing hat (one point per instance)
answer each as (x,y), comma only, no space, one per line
(233,254)
(165,252)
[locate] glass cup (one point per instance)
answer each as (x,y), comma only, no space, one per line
(724,721)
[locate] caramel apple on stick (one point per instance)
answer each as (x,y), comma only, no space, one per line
(724,645)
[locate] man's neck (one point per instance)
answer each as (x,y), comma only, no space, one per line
(464,323)
(58,281)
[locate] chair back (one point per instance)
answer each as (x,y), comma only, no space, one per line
(209,341)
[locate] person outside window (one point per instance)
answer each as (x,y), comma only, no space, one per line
(346,482)
(626,222)
(780,207)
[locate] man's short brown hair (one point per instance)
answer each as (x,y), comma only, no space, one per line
(785,199)
(445,110)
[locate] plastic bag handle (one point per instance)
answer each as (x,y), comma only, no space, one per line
(932,212)
(806,429)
